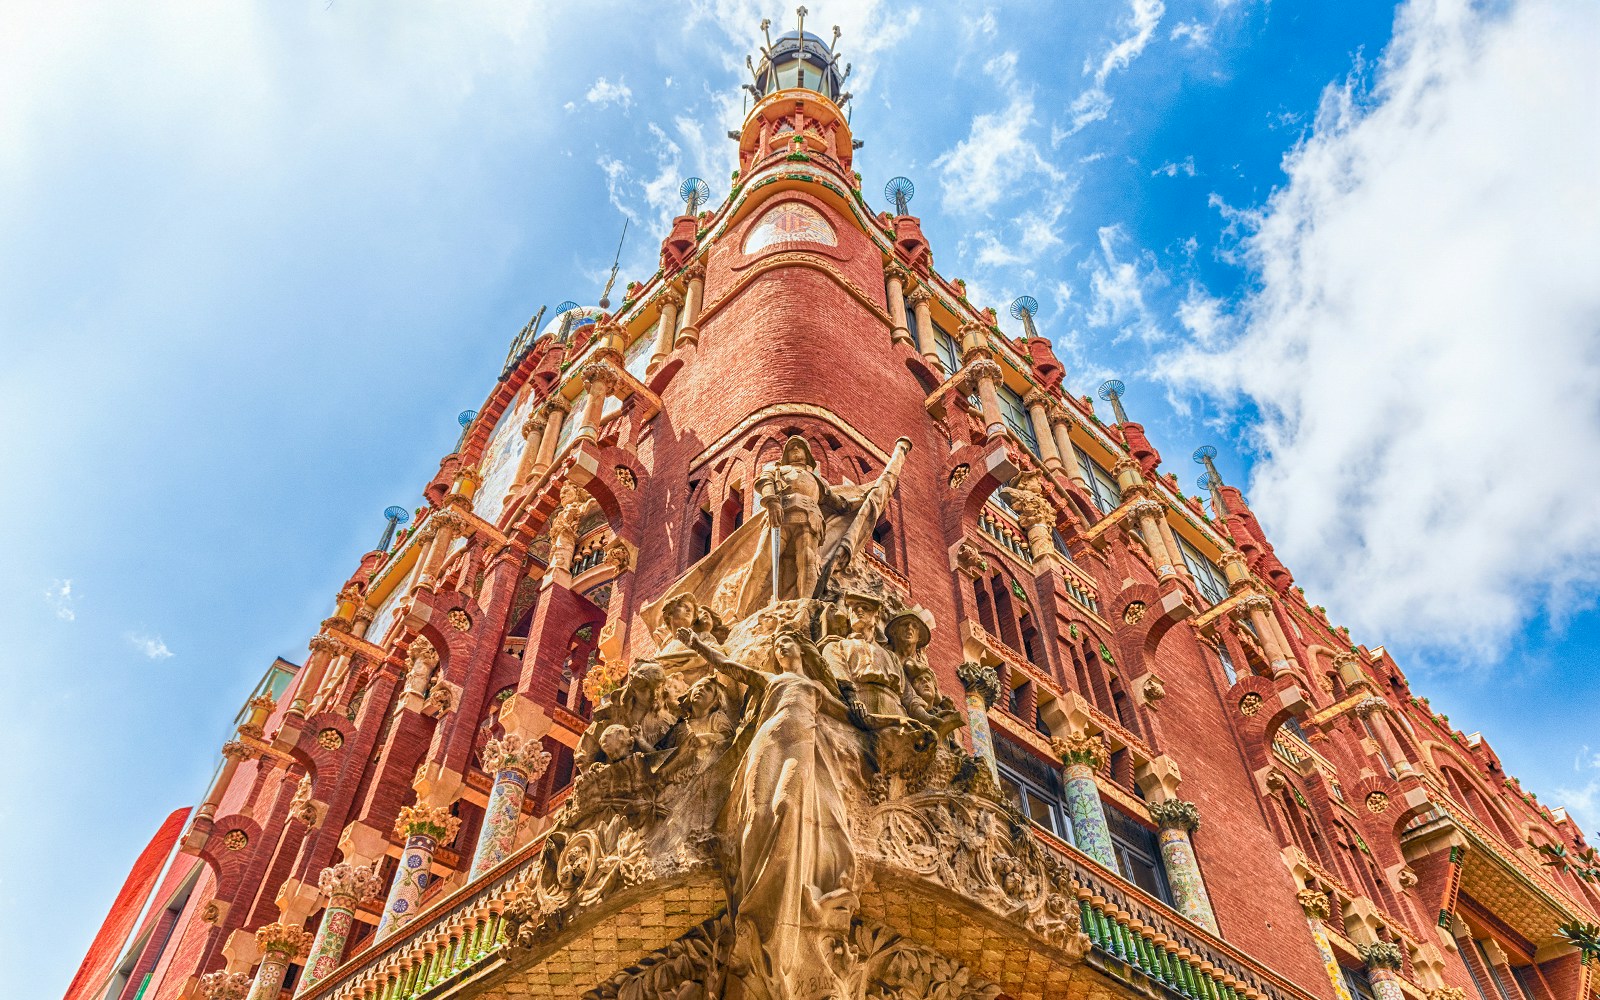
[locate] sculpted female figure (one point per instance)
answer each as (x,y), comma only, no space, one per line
(790,889)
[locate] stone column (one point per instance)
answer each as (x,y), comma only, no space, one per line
(666,330)
(1258,609)
(601,379)
(346,885)
(900,333)
(224,985)
(423,828)
(233,752)
(532,437)
(280,944)
(689,332)
(1083,755)
(985,375)
(448,524)
(1316,906)
(1061,427)
(1176,820)
(1038,405)
(556,407)
(1149,513)
(513,762)
(1384,959)
(927,339)
(323,649)
(983,688)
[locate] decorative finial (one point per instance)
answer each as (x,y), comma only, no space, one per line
(1023,307)
(694,192)
(565,310)
(900,190)
(395,515)
(1111,390)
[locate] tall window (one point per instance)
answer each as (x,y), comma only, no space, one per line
(949,350)
(1107,494)
(1228,669)
(1138,854)
(1016,417)
(1034,788)
(1359,983)
(1206,576)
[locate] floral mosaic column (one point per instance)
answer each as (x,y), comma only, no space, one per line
(1083,755)
(983,687)
(1316,906)
(514,762)
(1384,960)
(346,886)
(424,828)
(1176,820)
(224,985)
(279,944)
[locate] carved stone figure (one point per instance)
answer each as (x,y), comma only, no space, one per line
(800,501)
(791,876)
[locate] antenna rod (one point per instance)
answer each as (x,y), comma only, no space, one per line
(1205,455)
(605,296)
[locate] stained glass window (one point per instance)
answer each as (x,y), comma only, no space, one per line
(790,222)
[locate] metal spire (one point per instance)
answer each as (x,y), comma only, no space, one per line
(395,515)
(1211,480)
(1112,390)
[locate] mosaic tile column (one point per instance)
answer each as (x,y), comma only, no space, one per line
(346,886)
(1176,820)
(1083,755)
(514,762)
(423,829)
(983,687)
(1384,960)
(279,944)
(1316,906)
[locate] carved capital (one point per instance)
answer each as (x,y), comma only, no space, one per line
(1447,993)
(287,940)
(449,519)
(234,985)
(1037,397)
(321,643)
(236,750)
(894,272)
(1146,508)
(671,297)
(695,271)
(619,555)
(1176,814)
(1231,557)
(557,403)
(1315,903)
(427,821)
(353,882)
(1081,748)
(512,752)
(535,424)
(1367,707)
(1381,955)
(1254,603)
(1126,464)
(980,680)
(982,369)
(918,296)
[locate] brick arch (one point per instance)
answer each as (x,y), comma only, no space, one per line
(322,764)
(618,501)
(967,499)
(1256,731)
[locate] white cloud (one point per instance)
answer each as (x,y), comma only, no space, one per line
(1184,167)
(998,157)
(1203,317)
(149,646)
(1117,284)
(1196,34)
(984,25)
(1583,801)
(1094,104)
(1422,342)
(606,93)
(61,599)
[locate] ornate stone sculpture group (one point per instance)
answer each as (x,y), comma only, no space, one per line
(789,748)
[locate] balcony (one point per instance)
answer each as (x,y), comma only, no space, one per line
(1030,930)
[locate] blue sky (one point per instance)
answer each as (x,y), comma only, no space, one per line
(257,256)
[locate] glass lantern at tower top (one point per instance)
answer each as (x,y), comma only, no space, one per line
(800,59)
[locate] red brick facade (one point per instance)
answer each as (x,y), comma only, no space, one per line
(1310,762)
